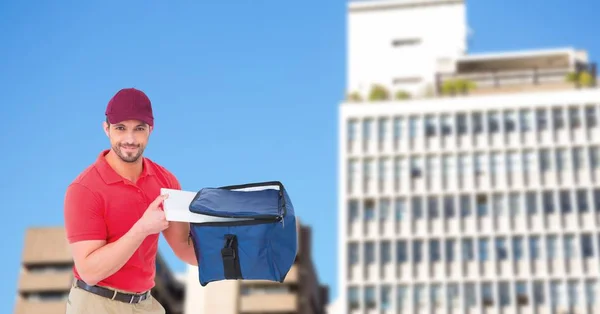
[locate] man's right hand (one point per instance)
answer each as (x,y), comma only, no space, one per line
(154,221)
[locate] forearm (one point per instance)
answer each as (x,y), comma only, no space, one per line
(177,235)
(186,253)
(109,258)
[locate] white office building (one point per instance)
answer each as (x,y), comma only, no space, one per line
(467,183)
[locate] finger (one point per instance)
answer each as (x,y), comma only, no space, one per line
(158,200)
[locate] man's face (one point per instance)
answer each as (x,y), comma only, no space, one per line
(128,139)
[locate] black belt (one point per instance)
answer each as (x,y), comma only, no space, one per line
(113,294)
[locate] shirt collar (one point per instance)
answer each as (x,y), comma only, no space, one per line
(110,176)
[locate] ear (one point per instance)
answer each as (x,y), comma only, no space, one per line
(106,128)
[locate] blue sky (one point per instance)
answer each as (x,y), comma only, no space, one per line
(221,77)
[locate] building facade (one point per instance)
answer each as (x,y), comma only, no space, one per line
(468,183)
(300,293)
(47,276)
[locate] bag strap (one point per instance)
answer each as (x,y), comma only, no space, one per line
(231,262)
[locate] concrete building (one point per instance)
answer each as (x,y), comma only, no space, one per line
(300,293)
(468,183)
(46,276)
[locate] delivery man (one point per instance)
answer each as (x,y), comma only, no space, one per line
(113,217)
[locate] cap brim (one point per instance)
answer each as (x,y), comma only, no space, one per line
(114,119)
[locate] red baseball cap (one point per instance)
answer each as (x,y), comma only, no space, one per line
(129,104)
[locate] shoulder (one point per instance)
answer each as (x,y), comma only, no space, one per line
(87,180)
(163,173)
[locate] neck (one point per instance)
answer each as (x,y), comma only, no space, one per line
(128,170)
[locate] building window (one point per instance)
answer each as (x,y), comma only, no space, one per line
(565,201)
(413,127)
(534,247)
(401,252)
(521,293)
(487,297)
(504,293)
(551,246)
(452,294)
(384,209)
(470,295)
(436,298)
(556,293)
(482,206)
(461,124)
(574,118)
(591,292)
(401,296)
(449,250)
(531,201)
(498,205)
(493,122)
(594,155)
(352,124)
(514,200)
(397,128)
(432,207)
(385,252)
(525,117)
(434,250)
(353,209)
(590,116)
(417,251)
(517,246)
(483,249)
(468,253)
(367,125)
(400,209)
(542,121)
(449,211)
(465,205)
(573,288)
(544,160)
(353,298)
(538,292)
(353,254)
(577,158)
(477,122)
(558,119)
(369,253)
(385,297)
(370,301)
(548,200)
(417,208)
(510,123)
(582,201)
(570,248)
(587,246)
(382,129)
(369,209)
(501,250)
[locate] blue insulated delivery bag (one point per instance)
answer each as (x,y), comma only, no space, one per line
(257,240)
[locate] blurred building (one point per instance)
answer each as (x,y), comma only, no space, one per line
(300,293)
(468,183)
(46,276)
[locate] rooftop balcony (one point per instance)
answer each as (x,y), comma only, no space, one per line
(489,81)
(495,74)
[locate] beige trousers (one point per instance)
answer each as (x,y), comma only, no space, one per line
(81,301)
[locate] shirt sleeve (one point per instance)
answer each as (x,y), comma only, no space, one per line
(83,214)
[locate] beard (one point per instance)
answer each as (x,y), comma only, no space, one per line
(128,156)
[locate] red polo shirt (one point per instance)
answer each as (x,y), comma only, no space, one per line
(102,205)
